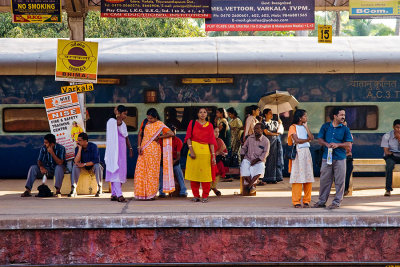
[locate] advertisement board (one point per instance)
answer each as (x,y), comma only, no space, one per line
(36,11)
(65,119)
(76,61)
(156,8)
(370,9)
(261,15)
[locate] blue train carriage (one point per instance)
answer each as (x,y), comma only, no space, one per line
(178,74)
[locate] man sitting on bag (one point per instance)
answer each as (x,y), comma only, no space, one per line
(86,156)
(254,153)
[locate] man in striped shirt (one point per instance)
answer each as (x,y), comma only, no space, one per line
(50,163)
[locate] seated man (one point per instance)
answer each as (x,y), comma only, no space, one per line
(176,155)
(254,153)
(86,156)
(50,162)
(390,143)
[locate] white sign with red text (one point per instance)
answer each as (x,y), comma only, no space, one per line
(65,119)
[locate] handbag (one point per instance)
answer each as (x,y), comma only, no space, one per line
(185,147)
(291,152)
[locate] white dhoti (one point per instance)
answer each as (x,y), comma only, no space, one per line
(247,170)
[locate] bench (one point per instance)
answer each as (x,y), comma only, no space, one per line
(373,165)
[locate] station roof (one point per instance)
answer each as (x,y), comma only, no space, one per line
(220,55)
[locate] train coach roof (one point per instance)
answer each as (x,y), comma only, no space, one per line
(221,55)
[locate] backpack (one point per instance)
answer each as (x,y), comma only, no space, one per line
(44,191)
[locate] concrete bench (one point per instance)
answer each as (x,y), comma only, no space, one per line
(373,165)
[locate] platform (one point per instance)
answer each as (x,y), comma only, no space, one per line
(367,220)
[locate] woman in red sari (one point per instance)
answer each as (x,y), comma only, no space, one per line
(200,163)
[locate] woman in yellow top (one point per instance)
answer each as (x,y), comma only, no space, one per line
(200,163)
(75,131)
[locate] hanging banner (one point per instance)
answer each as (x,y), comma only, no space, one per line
(261,15)
(65,119)
(36,11)
(370,9)
(76,61)
(156,8)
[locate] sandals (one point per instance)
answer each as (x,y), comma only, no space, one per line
(306,206)
(195,199)
(114,198)
(297,206)
(205,200)
(26,194)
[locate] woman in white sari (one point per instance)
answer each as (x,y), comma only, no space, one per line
(115,157)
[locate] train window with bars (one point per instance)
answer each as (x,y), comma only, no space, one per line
(97,117)
(25,120)
(358,117)
(286,117)
(181,116)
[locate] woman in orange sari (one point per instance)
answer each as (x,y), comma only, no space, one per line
(200,162)
(147,170)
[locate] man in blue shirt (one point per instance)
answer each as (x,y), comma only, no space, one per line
(50,162)
(86,156)
(391,148)
(336,136)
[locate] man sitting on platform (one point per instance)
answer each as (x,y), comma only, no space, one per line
(86,156)
(50,162)
(390,143)
(254,153)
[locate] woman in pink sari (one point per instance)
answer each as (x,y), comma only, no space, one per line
(147,170)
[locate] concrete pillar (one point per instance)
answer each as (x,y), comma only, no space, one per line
(76,27)
(301,33)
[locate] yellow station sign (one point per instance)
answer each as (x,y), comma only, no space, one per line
(325,34)
(207,80)
(79,88)
(76,61)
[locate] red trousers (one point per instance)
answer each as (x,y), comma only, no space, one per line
(196,188)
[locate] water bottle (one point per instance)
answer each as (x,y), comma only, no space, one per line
(44,179)
(329,156)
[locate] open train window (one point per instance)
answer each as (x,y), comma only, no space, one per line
(181,116)
(97,117)
(286,117)
(25,120)
(358,117)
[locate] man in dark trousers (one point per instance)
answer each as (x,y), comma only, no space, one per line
(390,143)
(50,162)
(336,137)
(86,156)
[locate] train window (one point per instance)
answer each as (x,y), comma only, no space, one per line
(286,117)
(97,117)
(25,120)
(181,116)
(358,117)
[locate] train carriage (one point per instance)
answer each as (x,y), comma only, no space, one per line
(175,75)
